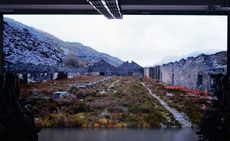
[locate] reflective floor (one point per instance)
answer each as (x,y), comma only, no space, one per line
(66,134)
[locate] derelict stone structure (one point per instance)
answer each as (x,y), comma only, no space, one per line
(130,68)
(193,72)
(103,68)
(153,72)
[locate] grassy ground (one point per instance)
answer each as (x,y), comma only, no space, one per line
(117,103)
(191,102)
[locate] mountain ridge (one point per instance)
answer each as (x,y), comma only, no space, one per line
(63,48)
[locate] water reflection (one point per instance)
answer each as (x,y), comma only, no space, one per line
(184,134)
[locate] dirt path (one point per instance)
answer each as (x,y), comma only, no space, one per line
(111,87)
(180,117)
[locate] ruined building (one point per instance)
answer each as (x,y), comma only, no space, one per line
(102,68)
(193,72)
(130,68)
(152,72)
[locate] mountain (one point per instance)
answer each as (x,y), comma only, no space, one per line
(23,51)
(88,54)
(32,49)
(168,59)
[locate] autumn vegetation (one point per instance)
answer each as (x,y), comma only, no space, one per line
(120,102)
(192,102)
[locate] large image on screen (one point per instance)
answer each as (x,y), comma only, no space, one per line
(145,71)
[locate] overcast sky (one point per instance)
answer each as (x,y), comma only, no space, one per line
(145,39)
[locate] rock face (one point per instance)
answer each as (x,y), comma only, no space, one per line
(30,50)
(23,51)
(194,72)
(16,117)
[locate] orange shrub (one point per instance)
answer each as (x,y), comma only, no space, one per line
(186,90)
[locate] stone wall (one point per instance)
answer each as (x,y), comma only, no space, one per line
(186,73)
(167,73)
(193,72)
(146,71)
(153,72)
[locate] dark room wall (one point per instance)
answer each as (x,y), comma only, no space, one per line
(1,43)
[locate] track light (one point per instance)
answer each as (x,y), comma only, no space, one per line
(109,8)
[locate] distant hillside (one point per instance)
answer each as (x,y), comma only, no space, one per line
(31,49)
(88,54)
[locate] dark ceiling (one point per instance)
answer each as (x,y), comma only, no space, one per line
(123,2)
(127,6)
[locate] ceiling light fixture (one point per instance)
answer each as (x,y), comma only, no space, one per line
(109,8)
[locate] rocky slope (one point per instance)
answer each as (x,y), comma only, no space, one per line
(23,49)
(88,54)
(29,49)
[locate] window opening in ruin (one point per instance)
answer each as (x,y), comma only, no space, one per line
(199,80)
